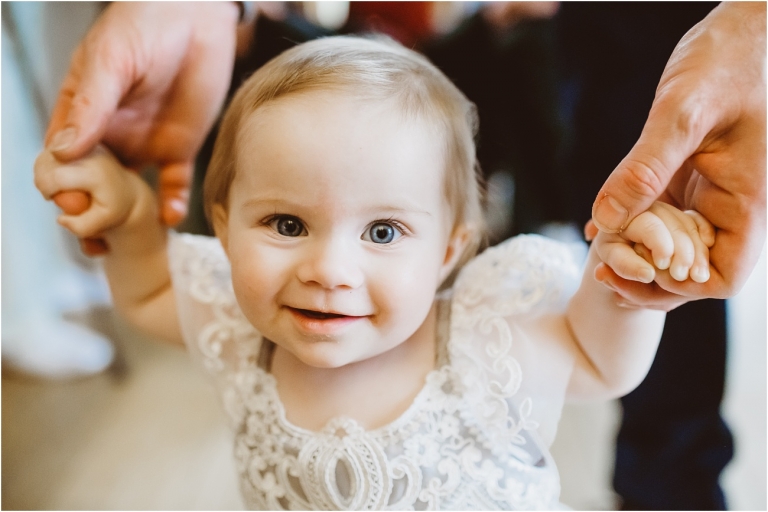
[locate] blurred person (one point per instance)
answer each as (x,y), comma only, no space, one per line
(503,58)
(40,279)
(411,24)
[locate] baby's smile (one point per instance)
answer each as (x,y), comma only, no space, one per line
(319,322)
(319,314)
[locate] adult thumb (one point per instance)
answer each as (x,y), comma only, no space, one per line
(668,139)
(88,99)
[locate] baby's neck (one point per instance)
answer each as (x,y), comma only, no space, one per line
(374,392)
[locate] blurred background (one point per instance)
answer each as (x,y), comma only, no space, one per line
(97,416)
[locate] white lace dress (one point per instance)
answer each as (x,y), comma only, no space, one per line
(475,437)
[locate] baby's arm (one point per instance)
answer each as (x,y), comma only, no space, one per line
(616,344)
(123,212)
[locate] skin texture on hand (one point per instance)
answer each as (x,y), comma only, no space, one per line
(702,148)
(148,81)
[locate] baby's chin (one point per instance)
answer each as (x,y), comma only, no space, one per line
(328,354)
(323,354)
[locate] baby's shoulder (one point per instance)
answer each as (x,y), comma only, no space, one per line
(188,249)
(199,264)
(523,251)
(213,325)
(520,273)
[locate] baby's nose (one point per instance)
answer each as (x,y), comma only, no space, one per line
(332,264)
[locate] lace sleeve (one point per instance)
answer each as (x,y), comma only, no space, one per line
(214,328)
(522,374)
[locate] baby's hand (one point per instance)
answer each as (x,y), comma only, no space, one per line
(107,191)
(659,239)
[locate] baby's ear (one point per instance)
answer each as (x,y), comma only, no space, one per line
(221,225)
(457,243)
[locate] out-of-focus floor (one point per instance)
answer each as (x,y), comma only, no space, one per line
(149,433)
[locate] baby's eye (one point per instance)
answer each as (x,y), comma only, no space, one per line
(382,233)
(287,225)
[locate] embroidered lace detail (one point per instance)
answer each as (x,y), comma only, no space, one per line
(509,280)
(223,338)
(468,441)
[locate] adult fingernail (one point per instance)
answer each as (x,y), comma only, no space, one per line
(646,275)
(174,211)
(609,215)
(177,205)
(63,139)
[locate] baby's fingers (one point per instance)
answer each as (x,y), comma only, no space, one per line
(45,180)
(705,228)
(701,243)
(52,177)
(623,260)
(691,252)
(94,221)
(648,229)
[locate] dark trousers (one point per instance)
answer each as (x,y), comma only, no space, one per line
(673,444)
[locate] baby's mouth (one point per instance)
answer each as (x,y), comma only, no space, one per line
(318,315)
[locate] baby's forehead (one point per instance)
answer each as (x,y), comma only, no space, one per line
(335,145)
(346,97)
(343,122)
(309,129)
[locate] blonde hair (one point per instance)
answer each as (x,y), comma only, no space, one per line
(372,69)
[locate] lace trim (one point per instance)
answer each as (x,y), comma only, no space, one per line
(428,458)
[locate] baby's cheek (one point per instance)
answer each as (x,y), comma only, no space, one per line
(253,287)
(403,298)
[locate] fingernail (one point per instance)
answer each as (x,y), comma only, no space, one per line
(609,215)
(178,205)
(678,273)
(663,263)
(173,212)
(646,275)
(700,274)
(63,139)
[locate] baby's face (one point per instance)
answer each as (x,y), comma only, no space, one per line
(338,230)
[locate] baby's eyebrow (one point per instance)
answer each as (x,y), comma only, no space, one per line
(384,209)
(266,201)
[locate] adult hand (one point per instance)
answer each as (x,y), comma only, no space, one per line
(148,80)
(702,148)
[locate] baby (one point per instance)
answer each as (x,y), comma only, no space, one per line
(366,357)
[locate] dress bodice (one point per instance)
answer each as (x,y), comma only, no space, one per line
(475,437)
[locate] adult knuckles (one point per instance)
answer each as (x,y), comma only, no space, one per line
(642,177)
